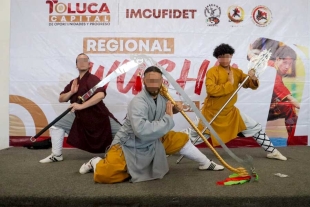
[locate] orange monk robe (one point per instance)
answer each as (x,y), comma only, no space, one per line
(229,122)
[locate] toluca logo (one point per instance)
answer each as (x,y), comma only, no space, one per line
(87,13)
(125,45)
(213,13)
(161,13)
(235,14)
(261,16)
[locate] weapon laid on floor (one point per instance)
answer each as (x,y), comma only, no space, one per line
(258,64)
(135,62)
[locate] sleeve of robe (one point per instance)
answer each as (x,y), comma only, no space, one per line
(91,82)
(279,88)
(67,88)
(249,83)
(214,89)
(142,127)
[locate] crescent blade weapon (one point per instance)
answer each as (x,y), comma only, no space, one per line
(248,162)
(135,62)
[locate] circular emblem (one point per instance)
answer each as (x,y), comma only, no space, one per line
(213,13)
(235,14)
(261,16)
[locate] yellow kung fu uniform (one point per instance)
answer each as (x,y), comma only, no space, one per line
(229,122)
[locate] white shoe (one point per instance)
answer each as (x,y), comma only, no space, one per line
(87,167)
(276,155)
(213,166)
(52,158)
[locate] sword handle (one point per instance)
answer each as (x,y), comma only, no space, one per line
(81,100)
(33,138)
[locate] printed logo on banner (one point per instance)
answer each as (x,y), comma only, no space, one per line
(235,14)
(161,13)
(213,13)
(261,16)
(78,14)
(127,45)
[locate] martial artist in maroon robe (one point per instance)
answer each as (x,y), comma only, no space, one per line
(90,125)
(91,129)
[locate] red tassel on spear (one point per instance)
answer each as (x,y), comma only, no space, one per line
(138,84)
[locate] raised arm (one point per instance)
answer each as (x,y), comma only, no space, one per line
(145,129)
(214,89)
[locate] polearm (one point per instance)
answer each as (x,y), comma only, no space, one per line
(247,162)
(240,171)
(119,71)
(216,115)
(259,67)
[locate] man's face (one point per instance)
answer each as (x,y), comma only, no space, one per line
(224,60)
(283,65)
(152,82)
(82,63)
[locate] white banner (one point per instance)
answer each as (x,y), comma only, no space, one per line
(46,37)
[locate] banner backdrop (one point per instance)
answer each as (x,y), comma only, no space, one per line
(46,37)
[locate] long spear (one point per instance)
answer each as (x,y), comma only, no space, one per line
(258,64)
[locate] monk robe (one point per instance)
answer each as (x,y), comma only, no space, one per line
(145,128)
(229,122)
(91,130)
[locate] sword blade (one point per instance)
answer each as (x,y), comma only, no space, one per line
(119,71)
(247,162)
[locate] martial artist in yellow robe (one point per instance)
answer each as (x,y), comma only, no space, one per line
(221,82)
(229,122)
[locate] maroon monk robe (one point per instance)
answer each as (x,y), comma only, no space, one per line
(91,129)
